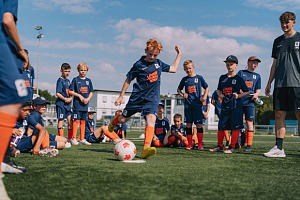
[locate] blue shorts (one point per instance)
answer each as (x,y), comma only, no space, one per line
(25,145)
(92,138)
(249,113)
(62,113)
(52,137)
(161,137)
(145,110)
(193,115)
(231,120)
(12,86)
(79,115)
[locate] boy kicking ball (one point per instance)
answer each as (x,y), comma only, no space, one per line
(146,91)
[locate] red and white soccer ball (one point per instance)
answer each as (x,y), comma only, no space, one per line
(125,150)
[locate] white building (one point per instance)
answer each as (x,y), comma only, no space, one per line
(175,104)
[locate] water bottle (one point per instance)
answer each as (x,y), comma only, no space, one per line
(259,101)
(16,139)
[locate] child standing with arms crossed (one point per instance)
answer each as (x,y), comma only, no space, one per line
(146,91)
(229,90)
(82,90)
(193,102)
(63,101)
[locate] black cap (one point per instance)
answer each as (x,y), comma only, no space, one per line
(254,58)
(161,104)
(40,101)
(232,58)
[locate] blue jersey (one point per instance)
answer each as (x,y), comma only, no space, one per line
(253,82)
(205,104)
(89,127)
(218,103)
(193,87)
(161,128)
(228,86)
(178,130)
(12,87)
(146,90)
(34,119)
(83,87)
(119,128)
(28,78)
(62,87)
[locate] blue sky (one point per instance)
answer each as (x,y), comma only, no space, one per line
(110,36)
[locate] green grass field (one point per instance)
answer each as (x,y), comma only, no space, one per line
(92,172)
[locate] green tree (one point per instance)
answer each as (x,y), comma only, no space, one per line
(47,95)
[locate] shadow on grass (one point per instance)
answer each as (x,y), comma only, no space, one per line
(98,150)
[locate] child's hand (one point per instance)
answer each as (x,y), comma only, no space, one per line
(81,98)
(16,132)
(185,95)
(236,96)
(35,151)
(85,101)
(68,100)
(177,49)
(202,99)
(118,101)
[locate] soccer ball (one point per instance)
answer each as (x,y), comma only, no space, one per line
(125,150)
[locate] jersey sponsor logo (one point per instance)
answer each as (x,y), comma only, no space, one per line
(297,44)
(124,112)
(233,82)
(156,65)
(21,89)
(249,84)
(196,80)
(159,130)
(153,77)
(84,90)
(75,116)
(227,91)
(87,82)
(191,89)
(61,115)
(163,123)
(254,76)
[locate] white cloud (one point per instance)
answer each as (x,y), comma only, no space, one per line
(258,33)
(277,5)
(71,6)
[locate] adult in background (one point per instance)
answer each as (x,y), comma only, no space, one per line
(285,71)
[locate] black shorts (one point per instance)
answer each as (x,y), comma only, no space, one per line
(286,99)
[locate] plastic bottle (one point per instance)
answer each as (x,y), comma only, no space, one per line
(16,139)
(259,101)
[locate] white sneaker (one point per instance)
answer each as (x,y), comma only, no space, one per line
(3,193)
(68,145)
(275,153)
(73,142)
(6,168)
(49,152)
(84,142)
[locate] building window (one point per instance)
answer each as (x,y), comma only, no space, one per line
(113,100)
(180,101)
(168,102)
(104,112)
(104,99)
